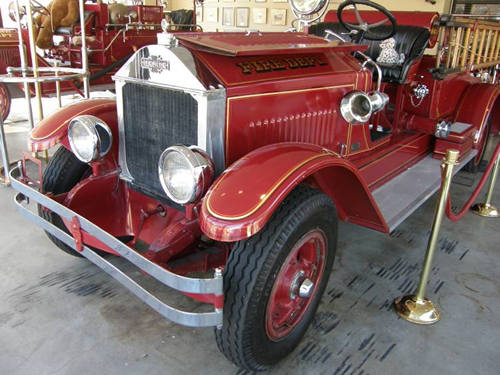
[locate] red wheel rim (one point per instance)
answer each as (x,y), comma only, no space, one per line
(286,308)
(4,101)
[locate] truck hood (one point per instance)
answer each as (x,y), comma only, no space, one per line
(206,61)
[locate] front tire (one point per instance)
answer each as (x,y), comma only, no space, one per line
(273,281)
(63,172)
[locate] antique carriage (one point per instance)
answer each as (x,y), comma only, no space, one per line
(112,37)
(235,154)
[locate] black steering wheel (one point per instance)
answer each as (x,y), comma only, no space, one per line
(364,29)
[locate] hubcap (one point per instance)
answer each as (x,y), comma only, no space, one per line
(295,284)
(306,288)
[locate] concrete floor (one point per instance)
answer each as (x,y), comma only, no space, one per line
(62,315)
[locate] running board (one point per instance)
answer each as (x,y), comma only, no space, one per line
(402,195)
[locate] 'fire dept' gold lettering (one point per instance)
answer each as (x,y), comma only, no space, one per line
(269,65)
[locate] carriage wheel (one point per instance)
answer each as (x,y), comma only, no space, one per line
(4,101)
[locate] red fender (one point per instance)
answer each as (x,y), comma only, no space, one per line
(477,103)
(54,129)
(244,197)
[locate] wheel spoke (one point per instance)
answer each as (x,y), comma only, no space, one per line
(358,16)
(377,24)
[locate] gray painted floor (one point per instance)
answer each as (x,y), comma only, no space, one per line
(61,315)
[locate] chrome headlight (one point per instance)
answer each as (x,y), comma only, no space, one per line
(90,138)
(307,7)
(185,173)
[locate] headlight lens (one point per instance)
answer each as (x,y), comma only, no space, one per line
(306,7)
(90,138)
(185,173)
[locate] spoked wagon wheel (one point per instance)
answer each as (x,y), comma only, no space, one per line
(4,101)
(273,281)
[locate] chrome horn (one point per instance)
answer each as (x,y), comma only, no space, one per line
(357,106)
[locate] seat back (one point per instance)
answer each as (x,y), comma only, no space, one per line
(410,41)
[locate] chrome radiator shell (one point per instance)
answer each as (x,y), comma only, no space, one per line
(158,67)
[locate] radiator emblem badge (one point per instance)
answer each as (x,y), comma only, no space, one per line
(155,63)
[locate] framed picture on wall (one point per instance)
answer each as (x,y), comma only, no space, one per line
(278,17)
(259,16)
(199,13)
(211,14)
(228,16)
(242,17)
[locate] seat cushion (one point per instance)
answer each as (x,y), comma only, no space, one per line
(410,41)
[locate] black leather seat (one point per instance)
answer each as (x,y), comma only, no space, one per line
(410,40)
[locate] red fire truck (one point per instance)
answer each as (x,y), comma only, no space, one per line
(235,154)
(112,37)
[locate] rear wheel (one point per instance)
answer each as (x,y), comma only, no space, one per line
(5,101)
(63,172)
(474,165)
(273,281)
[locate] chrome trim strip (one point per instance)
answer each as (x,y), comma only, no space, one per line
(181,283)
(122,155)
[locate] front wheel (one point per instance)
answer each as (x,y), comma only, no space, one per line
(63,172)
(273,281)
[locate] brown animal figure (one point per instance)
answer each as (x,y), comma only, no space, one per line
(62,13)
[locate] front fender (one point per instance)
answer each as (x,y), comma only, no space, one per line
(54,128)
(244,197)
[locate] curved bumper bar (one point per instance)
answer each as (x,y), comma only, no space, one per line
(180,283)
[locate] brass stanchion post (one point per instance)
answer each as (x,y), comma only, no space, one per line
(486,209)
(416,308)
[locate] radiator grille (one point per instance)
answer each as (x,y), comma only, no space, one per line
(154,119)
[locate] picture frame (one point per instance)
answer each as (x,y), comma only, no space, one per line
(259,16)
(199,14)
(211,14)
(228,16)
(242,15)
(278,17)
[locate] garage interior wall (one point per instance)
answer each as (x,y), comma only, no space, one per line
(211,8)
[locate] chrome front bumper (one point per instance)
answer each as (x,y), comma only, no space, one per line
(170,279)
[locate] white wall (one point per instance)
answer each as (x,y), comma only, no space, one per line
(441,6)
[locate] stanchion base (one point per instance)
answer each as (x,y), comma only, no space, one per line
(486,210)
(419,311)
